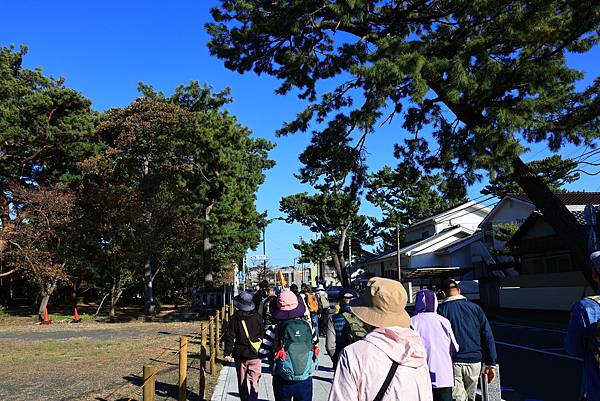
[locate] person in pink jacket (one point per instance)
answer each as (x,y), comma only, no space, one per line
(389,363)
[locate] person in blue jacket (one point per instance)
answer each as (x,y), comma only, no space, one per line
(583,336)
(475,340)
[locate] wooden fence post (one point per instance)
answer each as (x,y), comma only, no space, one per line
(149,382)
(211,333)
(183,348)
(202,384)
(218,334)
(224,323)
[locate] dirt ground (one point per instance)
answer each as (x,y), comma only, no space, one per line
(94,361)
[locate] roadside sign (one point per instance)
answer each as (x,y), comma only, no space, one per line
(260,257)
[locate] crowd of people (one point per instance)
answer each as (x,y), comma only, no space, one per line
(378,350)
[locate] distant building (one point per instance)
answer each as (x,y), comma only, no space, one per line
(433,248)
(545,273)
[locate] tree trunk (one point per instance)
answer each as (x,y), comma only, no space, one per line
(340,268)
(343,273)
(207,249)
(74,293)
(4,209)
(115,295)
(47,291)
(557,215)
(148,307)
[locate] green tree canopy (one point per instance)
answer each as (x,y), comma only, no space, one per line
(407,194)
(481,76)
(46,129)
(554,171)
(228,167)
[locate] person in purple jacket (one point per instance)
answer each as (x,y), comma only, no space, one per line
(439,341)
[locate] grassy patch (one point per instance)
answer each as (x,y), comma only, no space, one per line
(17,354)
(88,368)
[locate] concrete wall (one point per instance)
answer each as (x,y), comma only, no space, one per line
(558,291)
(548,298)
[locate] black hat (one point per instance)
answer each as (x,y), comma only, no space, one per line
(448,284)
(243,302)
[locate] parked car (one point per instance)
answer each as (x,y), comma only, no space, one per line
(333,292)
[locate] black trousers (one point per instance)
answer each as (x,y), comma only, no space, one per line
(442,394)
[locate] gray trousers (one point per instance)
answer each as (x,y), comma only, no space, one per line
(466,377)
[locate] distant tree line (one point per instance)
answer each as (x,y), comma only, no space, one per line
(151,199)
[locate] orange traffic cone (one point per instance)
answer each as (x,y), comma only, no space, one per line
(46,319)
(76,319)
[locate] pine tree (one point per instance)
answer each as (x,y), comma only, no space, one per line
(483,76)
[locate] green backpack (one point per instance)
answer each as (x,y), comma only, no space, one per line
(294,356)
(355,330)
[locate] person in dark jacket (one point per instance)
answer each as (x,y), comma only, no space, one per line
(583,337)
(264,308)
(261,294)
(242,340)
(337,325)
(475,339)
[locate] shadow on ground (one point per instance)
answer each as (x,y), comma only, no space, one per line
(163,390)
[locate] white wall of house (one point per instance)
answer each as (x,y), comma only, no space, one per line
(508,211)
(540,229)
(419,232)
(462,257)
(468,215)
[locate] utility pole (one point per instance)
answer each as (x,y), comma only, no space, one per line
(350,251)
(398,249)
(264,272)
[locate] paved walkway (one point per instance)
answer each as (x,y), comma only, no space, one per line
(227,389)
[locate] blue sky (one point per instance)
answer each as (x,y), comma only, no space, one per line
(103,49)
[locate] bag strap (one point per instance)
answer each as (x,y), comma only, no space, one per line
(246,330)
(386,383)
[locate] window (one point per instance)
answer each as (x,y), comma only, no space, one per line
(425,234)
(391,274)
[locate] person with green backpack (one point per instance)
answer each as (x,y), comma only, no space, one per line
(343,328)
(293,345)
(242,340)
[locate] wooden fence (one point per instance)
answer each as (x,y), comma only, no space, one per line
(211,346)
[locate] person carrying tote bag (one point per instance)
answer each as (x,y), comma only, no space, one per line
(242,338)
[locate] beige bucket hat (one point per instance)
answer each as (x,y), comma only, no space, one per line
(382,304)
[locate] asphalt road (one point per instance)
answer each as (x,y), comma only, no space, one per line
(534,365)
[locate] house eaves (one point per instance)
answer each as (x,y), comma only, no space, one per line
(459,244)
(423,244)
(447,214)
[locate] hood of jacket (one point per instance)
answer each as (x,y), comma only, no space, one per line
(426,301)
(402,345)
